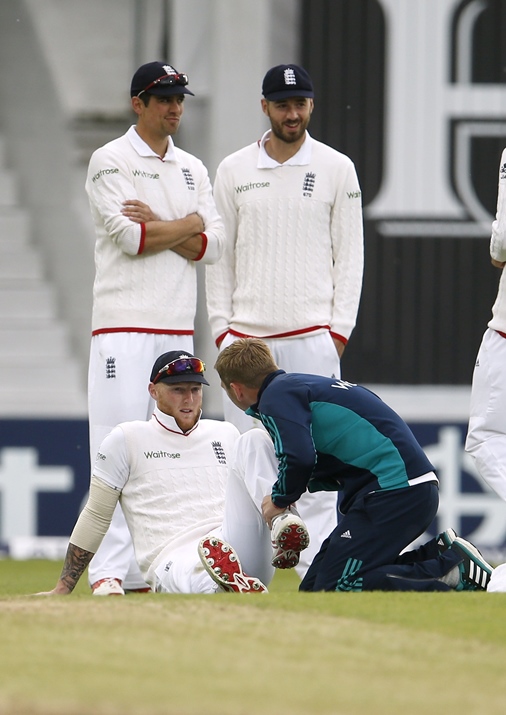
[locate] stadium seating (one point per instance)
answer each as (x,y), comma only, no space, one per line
(39,375)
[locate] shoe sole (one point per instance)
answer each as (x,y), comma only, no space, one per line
(292,537)
(471,548)
(446,539)
(285,559)
(222,564)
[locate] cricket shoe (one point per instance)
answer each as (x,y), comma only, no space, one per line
(475,572)
(107,587)
(445,539)
(223,566)
(289,536)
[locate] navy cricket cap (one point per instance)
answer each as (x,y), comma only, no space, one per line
(178,366)
(285,81)
(159,79)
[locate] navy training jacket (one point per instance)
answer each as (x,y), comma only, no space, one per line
(329,434)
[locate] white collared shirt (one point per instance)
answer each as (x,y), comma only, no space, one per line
(301,158)
(144,149)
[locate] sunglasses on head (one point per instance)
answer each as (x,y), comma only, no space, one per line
(181,366)
(167,80)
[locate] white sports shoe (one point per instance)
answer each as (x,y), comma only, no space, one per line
(108,587)
(289,536)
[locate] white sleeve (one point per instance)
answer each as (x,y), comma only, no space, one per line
(347,253)
(220,278)
(498,239)
(213,224)
(111,463)
(108,185)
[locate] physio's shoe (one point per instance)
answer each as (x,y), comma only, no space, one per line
(107,587)
(445,539)
(222,564)
(475,572)
(289,536)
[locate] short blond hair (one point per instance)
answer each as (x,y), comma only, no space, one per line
(247,360)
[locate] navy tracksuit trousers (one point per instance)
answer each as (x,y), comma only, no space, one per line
(362,553)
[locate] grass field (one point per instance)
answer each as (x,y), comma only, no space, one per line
(280,653)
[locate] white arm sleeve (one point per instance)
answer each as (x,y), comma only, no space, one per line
(95,518)
(221,278)
(498,240)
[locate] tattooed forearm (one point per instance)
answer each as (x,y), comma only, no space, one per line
(76,561)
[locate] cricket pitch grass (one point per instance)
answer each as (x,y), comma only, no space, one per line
(282,653)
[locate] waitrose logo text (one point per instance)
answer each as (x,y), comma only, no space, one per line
(252,185)
(162,455)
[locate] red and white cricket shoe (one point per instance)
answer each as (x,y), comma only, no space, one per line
(289,536)
(222,564)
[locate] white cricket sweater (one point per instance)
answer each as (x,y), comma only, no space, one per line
(293,255)
(498,250)
(157,292)
(172,484)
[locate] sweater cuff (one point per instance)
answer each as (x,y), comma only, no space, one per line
(142,242)
(336,336)
(203,249)
(221,338)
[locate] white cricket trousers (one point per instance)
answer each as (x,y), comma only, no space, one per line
(119,371)
(250,479)
(315,355)
(486,437)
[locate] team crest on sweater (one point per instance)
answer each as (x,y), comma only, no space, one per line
(188,177)
(219,452)
(503,172)
(308,185)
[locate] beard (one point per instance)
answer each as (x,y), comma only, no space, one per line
(290,137)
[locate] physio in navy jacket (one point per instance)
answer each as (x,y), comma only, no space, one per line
(329,434)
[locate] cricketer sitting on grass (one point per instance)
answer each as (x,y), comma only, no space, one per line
(191,491)
(334,435)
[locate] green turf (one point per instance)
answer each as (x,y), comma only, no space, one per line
(283,652)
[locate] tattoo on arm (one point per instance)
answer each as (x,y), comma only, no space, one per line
(76,561)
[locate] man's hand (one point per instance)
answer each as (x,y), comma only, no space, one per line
(339,345)
(57,591)
(497,264)
(76,561)
(138,212)
(270,510)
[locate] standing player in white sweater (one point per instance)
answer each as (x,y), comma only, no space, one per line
(154,217)
(191,491)
(292,266)
(486,438)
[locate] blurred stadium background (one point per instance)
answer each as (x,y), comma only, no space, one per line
(414,92)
